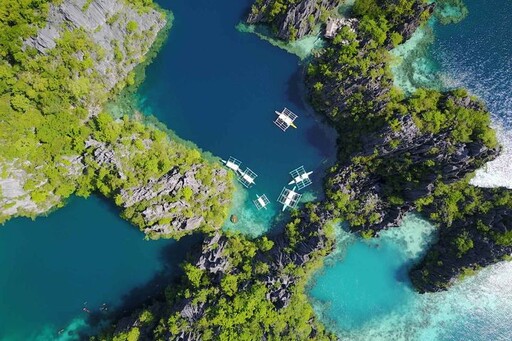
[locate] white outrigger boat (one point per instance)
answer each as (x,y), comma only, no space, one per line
(245,177)
(289,198)
(233,164)
(261,202)
(300,178)
(285,119)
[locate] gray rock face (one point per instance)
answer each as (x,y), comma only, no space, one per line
(160,202)
(444,262)
(297,21)
(369,187)
(105,22)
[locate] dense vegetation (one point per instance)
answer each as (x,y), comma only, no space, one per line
(52,138)
(225,295)
(352,84)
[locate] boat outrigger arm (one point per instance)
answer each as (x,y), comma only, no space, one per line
(285,119)
(300,178)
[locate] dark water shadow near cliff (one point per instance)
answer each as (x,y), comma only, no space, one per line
(295,91)
(172,256)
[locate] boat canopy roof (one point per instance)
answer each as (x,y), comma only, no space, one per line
(285,119)
(261,201)
(300,177)
(233,163)
(289,198)
(247,177)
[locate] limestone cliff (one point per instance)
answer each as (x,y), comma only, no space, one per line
(123,33)
(161,185)
(291,19)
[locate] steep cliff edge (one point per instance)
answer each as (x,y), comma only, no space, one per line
(237,289)
(478,236)
(122,32)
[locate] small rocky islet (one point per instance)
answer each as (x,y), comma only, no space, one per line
(397,154)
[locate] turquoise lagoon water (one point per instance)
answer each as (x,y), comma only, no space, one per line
(219,88)
(82,255)
(363,293)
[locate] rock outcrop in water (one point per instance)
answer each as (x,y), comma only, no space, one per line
(284,265)
(371,185)
(122,32)
(290,19)
(123,36)
(92,47)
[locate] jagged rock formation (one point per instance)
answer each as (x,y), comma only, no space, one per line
(123,33)
(290,19)
(372,185)
(420,11)
(468,244)
(215,262)
(171,204)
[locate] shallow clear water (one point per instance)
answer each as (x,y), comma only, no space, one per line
(219,87)
(364,293)
(81,253)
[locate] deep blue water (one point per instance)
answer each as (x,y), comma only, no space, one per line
(81,253)
(477,54)
(219,88)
